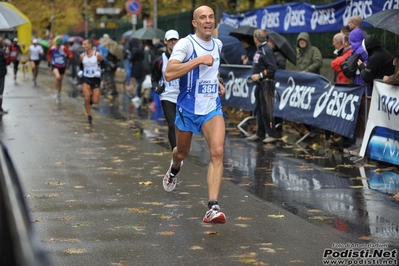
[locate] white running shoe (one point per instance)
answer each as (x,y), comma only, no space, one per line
(170,180)
(214,215)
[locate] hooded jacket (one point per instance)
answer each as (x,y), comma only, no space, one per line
(379,61)
(356,37)
(308,59)
(339,76)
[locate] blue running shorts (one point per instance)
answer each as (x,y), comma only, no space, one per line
(186,121)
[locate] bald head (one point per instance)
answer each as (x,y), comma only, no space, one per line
(200,10)
(355,22)
(204,22)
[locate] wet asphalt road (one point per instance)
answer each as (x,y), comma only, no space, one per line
(95,195)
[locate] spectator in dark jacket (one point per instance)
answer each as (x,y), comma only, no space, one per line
(379,62)
(137,57)
(3,72)
(249,45)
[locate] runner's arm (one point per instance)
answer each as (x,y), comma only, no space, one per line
(176,69)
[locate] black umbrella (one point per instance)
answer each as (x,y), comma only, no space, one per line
(243,31)
(386,20)
(148,34)
(283,45)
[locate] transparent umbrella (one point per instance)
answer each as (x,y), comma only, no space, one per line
(10,18)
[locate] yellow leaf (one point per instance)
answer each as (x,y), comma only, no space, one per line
(166,233)
(105,168)
(320,218)
(268,250)
(269,184)
(137,210)
(154,203)
(242,225)
(165,217)
(314,210)
(75,251)
(245,185)
(356,186)
(60,163)
(196,248)
(146,183)
(329,168)
(276,215)
(212,232)
(79,187)
(296,261)
(240,218)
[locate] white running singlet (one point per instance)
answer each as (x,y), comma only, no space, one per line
(90,65)
(35,51)
(199,88)
(172,87)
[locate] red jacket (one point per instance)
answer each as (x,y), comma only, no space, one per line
(336,66)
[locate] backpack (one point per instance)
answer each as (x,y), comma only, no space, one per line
(349,66)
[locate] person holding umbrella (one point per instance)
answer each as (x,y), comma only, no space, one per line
(264,68)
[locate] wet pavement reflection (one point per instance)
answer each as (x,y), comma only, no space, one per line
(316,183)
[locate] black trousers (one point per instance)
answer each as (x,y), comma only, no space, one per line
(265,125)
(169,110)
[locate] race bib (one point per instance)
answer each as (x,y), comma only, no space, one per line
(206,88)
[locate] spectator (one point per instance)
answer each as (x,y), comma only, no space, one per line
(281,61)
(379,61)
(3,72)
(354,22)
(127,66)
(309,58)
(249,45)
(394,78)
(76,49)
(137,57)
(356,37)
(342,51)
(264,68)
(345,30)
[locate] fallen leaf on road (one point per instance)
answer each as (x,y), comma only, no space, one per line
(55,183)
(146,183)
(79,187)
(165,217)
(269,184)
(314,210)
(242,225)
(320,218)
(137,210)
(276,215)
(212,232)
(166,233)
(75,251)
(356,186)
(296,261)
(268,250)
(154,203)
(196,248)
(105,168)
(241,218)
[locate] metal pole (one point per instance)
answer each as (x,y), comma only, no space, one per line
(155,14)
(86,21)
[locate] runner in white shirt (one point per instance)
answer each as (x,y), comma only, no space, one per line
(35,51)
(91,74)
(195,62)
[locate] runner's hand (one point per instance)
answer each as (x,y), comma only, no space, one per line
(207,60)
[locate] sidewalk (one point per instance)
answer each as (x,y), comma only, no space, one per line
(95,195)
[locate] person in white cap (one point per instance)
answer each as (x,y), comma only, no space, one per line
(15,52)
(168,91)
(35,52)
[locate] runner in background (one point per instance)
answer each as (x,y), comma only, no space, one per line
(35,52)
(90,72)
(56,55)
(15,52)
(24,57)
